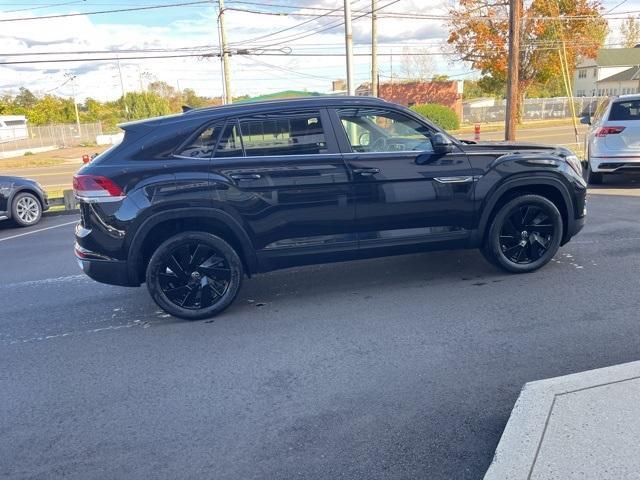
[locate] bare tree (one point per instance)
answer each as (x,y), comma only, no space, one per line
(630,30)
(416,64)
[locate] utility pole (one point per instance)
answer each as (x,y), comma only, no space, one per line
(513,95)
(348,38)
(72,78)
(374,48)
(224,53)
(124,100)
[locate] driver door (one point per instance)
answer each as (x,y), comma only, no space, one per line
(405,192)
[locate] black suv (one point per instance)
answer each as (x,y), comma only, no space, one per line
(191,203)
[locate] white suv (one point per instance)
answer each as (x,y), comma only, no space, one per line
(612,144)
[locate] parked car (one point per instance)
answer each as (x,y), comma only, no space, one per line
(612,143)
(22,200)
(191,203)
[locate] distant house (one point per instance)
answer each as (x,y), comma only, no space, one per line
(613,72)
(13,127)
(627,81)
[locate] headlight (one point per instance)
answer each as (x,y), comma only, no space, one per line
(575,163)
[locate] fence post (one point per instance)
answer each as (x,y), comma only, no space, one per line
(69,200)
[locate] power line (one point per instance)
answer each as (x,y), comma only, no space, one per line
(99,12)
(102,59)
(324,29)
(51,5)
(85,52)
(242,42)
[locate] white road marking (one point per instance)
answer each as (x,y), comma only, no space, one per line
(135,323)
(37,231)
(34,283)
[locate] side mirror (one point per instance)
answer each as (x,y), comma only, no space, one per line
(441,144)
(586,120)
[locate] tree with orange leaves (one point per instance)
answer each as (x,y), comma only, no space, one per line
(479,31)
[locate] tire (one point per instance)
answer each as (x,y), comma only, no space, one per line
(194,275)
(524,235)
(593,178)
(26,209)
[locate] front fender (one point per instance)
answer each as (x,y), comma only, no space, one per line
(493,195)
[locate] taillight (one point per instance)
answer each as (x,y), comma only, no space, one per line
(95,188)
(604,131)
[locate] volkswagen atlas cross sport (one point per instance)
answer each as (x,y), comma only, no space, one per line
(613,141)
(191,203)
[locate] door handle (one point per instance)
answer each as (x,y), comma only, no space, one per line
(246,176)
(366,172)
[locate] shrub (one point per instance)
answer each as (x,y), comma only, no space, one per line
(442,116)
(27,153)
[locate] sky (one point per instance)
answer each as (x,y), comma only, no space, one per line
(192,29)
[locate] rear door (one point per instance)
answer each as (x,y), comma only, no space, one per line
(622,128)
(406,193)
(283,175)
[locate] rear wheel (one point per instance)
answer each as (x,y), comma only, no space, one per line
(194,275)
(26,209)
(525,234)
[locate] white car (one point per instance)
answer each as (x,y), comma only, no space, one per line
(612,144)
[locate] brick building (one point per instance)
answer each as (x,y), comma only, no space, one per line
(447,93)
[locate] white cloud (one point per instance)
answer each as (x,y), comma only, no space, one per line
(250,74)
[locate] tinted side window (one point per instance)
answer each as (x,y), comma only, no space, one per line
(203,144)
(230,144)
(379,130)
(625,110)
(295,133)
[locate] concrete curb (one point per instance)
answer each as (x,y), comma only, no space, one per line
(60,212)
(519,450)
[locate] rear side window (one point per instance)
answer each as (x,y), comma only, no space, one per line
(625,110)
(230,144)
(203,144)
(295,133)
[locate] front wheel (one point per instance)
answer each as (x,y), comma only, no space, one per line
(525,234)
(194,275)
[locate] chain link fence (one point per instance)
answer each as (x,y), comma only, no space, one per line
(490,110)
(47,137)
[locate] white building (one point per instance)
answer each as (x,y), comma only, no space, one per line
(13,127)
(613,72)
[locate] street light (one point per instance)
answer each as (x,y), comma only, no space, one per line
(72,79)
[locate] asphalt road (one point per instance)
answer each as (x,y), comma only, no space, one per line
(393,368)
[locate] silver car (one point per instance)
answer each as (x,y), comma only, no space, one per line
(612,144)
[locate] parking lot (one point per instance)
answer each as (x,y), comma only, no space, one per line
(404,367)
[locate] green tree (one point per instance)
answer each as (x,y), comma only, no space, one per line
(144,105)
(25,98)
(190,98)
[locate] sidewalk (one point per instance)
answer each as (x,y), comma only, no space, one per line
(581,426)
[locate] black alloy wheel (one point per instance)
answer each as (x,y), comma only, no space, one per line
(194,275)
(525,234)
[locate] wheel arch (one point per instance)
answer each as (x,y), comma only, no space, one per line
(547,186)
(23,189)
(157,228)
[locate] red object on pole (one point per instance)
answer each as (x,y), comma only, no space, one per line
(476,132)
(86,158)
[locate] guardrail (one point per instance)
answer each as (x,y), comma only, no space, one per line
(68,201)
